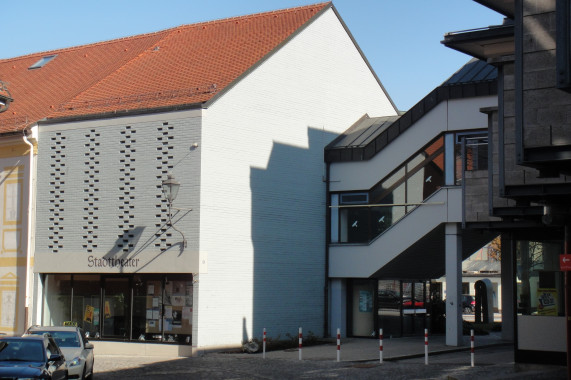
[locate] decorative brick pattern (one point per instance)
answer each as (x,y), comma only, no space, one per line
(127,167)
(56,193)
(164,159)
(91,190)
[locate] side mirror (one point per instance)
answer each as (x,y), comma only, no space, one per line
(89,346)
(55,358)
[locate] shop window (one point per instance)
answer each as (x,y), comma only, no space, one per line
(178,308)
(540,286)
(149,307)
(86,305)
(57,299)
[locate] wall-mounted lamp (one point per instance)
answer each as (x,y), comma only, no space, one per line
(170,190)
(5,97)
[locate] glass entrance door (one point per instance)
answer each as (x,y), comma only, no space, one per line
(116,301)
(414,303)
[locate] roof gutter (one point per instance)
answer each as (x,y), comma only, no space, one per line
(106,115)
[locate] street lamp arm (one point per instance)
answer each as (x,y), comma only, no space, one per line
(174,228)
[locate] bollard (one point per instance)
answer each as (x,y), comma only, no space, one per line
(381,345)
(472,347)
(300,341)
(426,346)
(264,345)
(338,344)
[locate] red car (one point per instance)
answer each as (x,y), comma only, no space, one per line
(407,303)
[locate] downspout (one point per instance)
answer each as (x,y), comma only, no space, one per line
(29,226)
(327,240)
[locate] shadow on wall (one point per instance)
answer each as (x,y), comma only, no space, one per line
(288,235)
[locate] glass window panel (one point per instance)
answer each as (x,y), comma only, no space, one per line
(476,144)
(415,188)
(147,307)
(87,302)
(379,191)
(57,300)
(178,300)
(477,153)
(116,307)
(389,307)
(415,161)
(540,284)
(354,224)
(433,176)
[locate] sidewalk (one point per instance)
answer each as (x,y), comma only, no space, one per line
(364,349)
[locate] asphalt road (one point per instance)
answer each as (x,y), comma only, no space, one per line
(492,363)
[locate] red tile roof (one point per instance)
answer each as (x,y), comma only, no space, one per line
(185,65)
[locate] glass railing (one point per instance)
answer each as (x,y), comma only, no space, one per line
(392,198)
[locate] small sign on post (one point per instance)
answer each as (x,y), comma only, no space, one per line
(565,262)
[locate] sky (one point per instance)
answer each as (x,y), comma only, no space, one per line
(399,38)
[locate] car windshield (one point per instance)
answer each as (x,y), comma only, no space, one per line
(21,351)
(62,338)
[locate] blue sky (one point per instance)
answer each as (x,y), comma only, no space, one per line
(400,38)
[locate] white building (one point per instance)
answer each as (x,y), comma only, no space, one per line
(240,119)
(403,212)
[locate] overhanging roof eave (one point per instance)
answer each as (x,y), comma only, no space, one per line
(484,43)
(505,7)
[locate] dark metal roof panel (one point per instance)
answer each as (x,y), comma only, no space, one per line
(362,132)
(474,71)
(368,136)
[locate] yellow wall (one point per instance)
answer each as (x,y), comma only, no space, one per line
(14,162)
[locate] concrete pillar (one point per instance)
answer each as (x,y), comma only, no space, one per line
(508,249)
(453,246)
(338,306)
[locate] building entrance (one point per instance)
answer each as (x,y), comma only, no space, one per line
(403,307)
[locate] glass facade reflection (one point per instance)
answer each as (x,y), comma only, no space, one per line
(150,307)
(361,219)
(540,283)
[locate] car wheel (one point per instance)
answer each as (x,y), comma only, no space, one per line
(83,377)
(467,310)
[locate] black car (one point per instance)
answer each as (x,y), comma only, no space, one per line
(468,303)
(31,357)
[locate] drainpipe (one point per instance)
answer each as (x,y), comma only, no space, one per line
(29,225)
(327,240)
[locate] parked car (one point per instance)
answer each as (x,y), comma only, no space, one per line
(468,303)
(31,357)
(407,303)
(388,299)
(74,345)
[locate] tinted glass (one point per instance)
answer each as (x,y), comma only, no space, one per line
(62,338)
(22,350)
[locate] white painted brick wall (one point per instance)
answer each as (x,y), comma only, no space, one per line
(262,195)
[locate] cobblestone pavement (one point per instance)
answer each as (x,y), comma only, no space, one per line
(493,363)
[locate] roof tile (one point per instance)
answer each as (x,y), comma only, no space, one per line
(184,65)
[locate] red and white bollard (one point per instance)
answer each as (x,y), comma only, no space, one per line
(300,342)
(264,344)
(338,344)
(381,346)
(472,347)
(426,346)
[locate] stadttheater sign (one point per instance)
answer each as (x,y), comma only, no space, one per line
(170,261)
(96,262)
